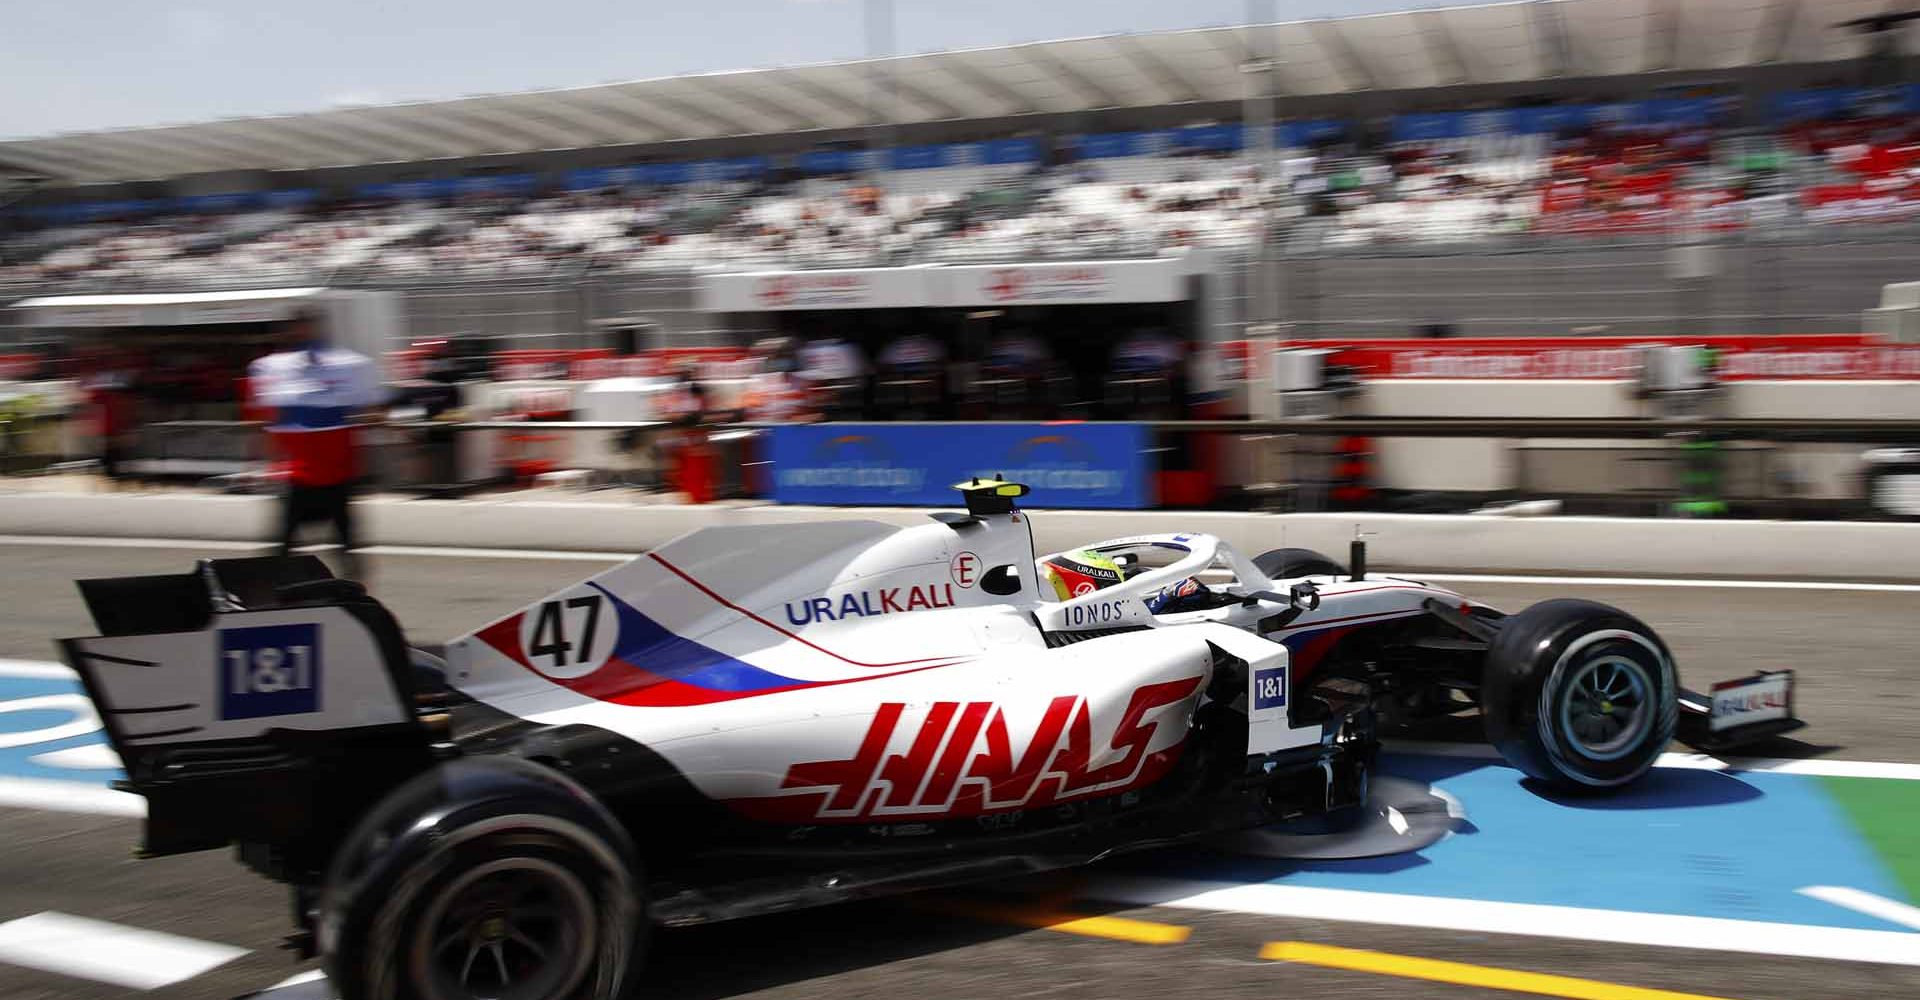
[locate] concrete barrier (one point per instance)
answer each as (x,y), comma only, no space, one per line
(1633,546)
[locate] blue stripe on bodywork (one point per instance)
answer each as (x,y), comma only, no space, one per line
(651,646)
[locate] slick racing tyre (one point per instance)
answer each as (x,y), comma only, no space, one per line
(1579,695)
(514,915)
(504,901)
(1286,564)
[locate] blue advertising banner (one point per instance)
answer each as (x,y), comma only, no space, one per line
(1837,102)
(1421,127)
(1109,145)
(1210,138)
(920,157)
(1306,133)
(915,465)
(826,161)
(1550,118)
(1010,151)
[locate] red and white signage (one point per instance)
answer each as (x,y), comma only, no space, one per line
(588,364)
(1763,697)
(1079,283)
(963,286)
(1784,357)
(541,365)
(706,362)
(781,291)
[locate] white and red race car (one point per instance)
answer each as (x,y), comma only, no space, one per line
(693,736)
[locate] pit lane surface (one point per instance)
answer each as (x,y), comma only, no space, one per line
(1854,651)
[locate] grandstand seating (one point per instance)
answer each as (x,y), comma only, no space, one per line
(1435,182)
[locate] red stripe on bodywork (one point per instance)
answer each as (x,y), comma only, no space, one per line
(504,636)
(704,589)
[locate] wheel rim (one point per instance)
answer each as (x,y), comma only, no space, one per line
(1606,707)
(510,929)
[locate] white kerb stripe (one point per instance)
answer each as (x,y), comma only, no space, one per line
(1658,930)
(107,952)
(70,796)
(1862,901)
(300,979)
(37,670)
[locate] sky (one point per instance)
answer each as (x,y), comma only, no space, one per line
(83,65)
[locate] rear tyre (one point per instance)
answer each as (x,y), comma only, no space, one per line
(509,915)
(1286,564)
(1579,695)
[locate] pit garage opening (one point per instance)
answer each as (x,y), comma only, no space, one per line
(170,369)
(1100,340)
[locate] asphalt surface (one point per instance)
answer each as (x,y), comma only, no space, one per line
(1854,652)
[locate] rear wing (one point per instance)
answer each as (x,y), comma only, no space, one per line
(252,700)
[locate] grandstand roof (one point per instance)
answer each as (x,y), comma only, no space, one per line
(1495,43)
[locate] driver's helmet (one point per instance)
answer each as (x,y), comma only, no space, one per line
(1080,572)
(1186,595)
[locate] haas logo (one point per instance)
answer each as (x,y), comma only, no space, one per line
(963,761)
(1006,283)
(776,290)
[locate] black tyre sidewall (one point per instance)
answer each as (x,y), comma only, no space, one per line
(372,960)
(1529,662)
(1284,564)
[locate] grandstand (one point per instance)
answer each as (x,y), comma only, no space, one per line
(1351,177)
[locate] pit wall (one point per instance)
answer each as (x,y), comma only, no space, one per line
(1635,547)
(1821,471)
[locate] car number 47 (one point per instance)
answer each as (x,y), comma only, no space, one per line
(550,631)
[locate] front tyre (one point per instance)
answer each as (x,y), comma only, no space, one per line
(1579,695)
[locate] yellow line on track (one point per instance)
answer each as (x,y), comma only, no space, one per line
(1115,928)
(1410,967)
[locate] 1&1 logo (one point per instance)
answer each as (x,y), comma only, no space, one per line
(269,670)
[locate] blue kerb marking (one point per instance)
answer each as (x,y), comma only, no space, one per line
(1688,842)
(1694,843)
(17,762)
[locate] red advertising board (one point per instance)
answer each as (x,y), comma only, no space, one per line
(1808,356)
(589,363)
(707,362)
(19,366)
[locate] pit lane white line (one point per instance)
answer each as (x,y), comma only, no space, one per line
(108,952)
(1477,916)
(1862,901)
(106,542)
(569,556)
(195,544)
(1644,581)
(1813,766)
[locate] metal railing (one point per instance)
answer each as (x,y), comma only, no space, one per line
(1599,465)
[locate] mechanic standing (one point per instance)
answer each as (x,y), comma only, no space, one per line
(316,391)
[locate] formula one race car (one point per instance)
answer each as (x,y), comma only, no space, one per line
(1578,695)
(689,737)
